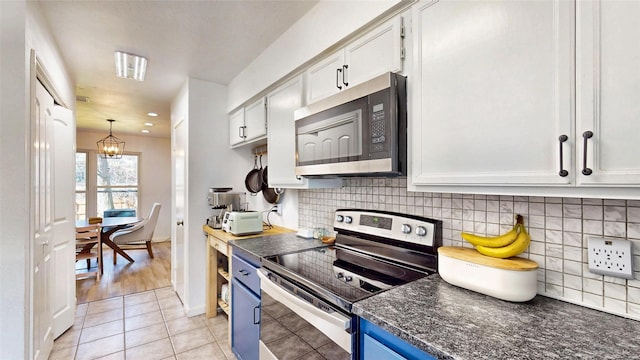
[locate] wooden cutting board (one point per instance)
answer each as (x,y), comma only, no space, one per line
(472,255)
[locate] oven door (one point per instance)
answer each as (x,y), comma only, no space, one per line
(294,323)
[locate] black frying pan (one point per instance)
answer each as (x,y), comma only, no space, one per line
(253,181)
(270,194)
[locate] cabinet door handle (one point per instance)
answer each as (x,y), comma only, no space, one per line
(180,222)
(243,272)
(256,322)
(338,71)
(344,74)
(241,132)
(586,136)
(562,172)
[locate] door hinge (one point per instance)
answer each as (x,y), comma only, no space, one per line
(402,53)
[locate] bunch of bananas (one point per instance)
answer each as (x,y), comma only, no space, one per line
(507,245)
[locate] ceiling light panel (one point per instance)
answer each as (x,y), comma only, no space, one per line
(130,66)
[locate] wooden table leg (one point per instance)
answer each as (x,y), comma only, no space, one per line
(114,246)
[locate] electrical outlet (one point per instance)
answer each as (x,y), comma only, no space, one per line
(611,257)
(277,208)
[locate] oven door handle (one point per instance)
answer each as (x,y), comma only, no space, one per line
(308,312)
(292,301)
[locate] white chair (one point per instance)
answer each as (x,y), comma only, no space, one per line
(138,236)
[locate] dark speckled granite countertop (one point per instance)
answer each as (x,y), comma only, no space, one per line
(453,323)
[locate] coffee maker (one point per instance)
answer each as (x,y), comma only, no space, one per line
(223,200)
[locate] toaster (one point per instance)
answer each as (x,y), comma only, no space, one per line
(240,223)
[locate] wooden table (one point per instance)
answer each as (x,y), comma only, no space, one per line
(109,226)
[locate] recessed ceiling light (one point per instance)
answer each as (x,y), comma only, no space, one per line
(145,131)
(149,124)
(152,114)
(130,66)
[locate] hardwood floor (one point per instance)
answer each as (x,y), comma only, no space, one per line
(125,277)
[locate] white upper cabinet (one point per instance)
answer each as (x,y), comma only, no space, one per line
(236,127)
(373,54)
(608,85)
(248,124)
(255,120)
(500,104)
(493,92)
(281,144)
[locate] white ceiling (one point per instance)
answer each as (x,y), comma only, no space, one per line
(210,40)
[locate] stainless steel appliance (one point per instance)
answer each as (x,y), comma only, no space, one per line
(359,131)
(242,222)
(307,296)
(222,200)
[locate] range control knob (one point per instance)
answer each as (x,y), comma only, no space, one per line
(421,231)
(406,229)
(348,278)
(339,218)
(348,219)
(339,275)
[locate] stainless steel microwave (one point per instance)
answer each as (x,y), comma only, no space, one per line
(361,131)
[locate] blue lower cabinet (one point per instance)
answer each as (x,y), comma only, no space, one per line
(377,343)
(245,322)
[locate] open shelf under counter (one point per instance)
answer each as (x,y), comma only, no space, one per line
(224,306)
(219,255)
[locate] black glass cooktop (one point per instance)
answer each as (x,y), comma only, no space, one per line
(349,275)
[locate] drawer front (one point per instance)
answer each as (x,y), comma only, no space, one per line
(219,245)
(245,273)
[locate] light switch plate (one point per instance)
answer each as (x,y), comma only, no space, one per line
(612,257)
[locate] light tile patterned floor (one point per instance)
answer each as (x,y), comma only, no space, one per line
(150,325)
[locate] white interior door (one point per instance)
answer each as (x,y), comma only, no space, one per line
(64,290)
(42,224)
(179,201)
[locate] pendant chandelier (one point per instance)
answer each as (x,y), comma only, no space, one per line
(110,147)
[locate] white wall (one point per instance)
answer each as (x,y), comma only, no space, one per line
(155,173)
(302,42)
(209,163)
(21,29)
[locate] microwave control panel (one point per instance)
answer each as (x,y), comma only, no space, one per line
(377,128)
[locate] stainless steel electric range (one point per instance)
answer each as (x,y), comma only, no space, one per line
(307,295)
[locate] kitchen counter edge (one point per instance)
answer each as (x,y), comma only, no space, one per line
(449,322)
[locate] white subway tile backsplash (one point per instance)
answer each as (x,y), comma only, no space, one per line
(592,286)
(572,282)
(633,309)
(573,268)
(553,250)
(553,236)
(615,291)
(572,239)
(573,294)
(633,295)
(592,299)
(574,225)
(615,229)
(615,213)
(593,227)
(615,305)
(554,264)
(559,229)
(553,223)
(573,253)
(554,290)
(572,211)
